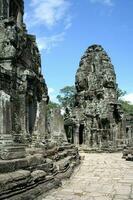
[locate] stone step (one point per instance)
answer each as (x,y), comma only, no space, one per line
(23,184)
(23,163)
(6,139)
(12,152)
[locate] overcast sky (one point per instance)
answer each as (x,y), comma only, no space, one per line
(65,28)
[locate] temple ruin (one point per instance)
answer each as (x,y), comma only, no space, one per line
(128,149)
(31,162)
(56,126)
(36,150)
(97,120)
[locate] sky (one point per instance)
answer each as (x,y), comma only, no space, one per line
(64,29)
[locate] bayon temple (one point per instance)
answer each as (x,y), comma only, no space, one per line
(37,146)
(97,121)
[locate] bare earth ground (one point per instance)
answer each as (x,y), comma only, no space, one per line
(99,177)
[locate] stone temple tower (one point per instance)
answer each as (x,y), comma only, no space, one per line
(96,120)
(22,87)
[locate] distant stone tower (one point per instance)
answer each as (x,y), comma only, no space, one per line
(96,120)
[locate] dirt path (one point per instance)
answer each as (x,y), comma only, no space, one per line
(99,177)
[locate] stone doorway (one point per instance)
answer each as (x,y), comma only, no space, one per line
(69,133)
(81,134)
(13,9)
(31,114)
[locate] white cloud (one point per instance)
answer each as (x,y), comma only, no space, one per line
(51,90)
(49,16)
(52,94)
(105,2)
(47,43)
(25,16)
(68,22)
(128,97)
(48,12)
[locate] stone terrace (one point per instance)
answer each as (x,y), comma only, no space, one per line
(99,177)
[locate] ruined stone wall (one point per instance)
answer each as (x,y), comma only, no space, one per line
(96,120)
(22,86)
(56,126)
(30,161)
(129,129)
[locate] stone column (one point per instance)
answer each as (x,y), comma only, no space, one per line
(40,130)
(19,19)
(23,131)
(1,8)
(5,119)
(4,7)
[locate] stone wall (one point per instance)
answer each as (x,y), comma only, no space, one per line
(129,129)
(30,162)
(128,149)
(22,86)
(56,126)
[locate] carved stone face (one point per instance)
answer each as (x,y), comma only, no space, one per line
(109,79)
(96,95)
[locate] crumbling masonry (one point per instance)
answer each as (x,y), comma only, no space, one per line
(31,161)
(97,121)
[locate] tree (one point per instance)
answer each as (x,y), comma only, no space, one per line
(67,96)
(120,93)
(126,106)
(52,105)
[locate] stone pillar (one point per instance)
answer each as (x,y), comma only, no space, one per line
(40,130)
(23,132)
(5,119)
(4,8)
(1,8)
(56,126)
(19,19)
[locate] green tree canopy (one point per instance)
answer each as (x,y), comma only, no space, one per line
(126,106)
(66,96)
(120,93)
(52,105)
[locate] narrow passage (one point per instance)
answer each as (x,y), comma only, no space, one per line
(99,177)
